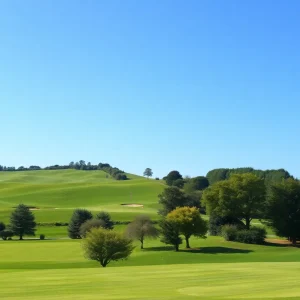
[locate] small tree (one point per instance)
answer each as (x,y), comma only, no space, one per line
(89,224)
(141,228)
(2,226)
(5,234)
(148,172)
(106,218)
(79,217)
(170,234)
(22,221)
(172,176)
(189,222)
(105,246)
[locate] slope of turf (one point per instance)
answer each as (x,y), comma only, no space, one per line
(56,193)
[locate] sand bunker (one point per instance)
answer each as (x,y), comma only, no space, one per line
(132,205)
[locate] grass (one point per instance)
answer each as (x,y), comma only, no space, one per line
(56,268)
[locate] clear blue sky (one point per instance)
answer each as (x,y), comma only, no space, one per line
(186,85)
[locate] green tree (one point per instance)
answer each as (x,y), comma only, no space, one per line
(283,210)
(89,224)
(189,222)
(148,172)
(242,196)
(22,221)
(170,234)
(172,176)
(5,234)
(141,228)
(79,217)
(196,184)
(105,246)
(106,218)
(2,226)
(172,197)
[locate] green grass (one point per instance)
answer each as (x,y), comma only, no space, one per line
(57,193)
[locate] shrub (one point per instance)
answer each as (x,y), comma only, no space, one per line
(2,226)
(6,234)
(216,222)
(156,178)
(255,235)
(229,232)
(42,236)
(89,224)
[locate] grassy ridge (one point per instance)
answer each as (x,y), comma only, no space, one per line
(57,192)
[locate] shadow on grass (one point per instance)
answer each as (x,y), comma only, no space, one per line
(280,245)
(204,250)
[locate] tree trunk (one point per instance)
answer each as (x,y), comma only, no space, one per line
(294,240)
(176,248)
(21,237)
(187,242)
(142,244)
(247,223)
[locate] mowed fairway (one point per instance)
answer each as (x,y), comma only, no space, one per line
(57,193)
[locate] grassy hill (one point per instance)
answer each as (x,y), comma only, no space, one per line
(55,193)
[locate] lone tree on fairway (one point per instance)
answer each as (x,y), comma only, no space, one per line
(241,196)
(148,172)
(89,224)
(141,228)
(170,234)
(22,221)
(172,197)
(284,209)
(189,222)
(106,218)
(79,217)
(105,246)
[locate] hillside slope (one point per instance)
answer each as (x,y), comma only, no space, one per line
(55,193)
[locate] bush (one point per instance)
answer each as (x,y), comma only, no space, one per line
(216,222)
(6,234)
(42,236)
(229,232)
(255,235)
(156,178)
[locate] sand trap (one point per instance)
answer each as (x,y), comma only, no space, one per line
(133,205)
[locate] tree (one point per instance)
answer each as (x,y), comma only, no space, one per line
(141,228)
(89,224)
(105,246)
(196,184)
(106,218)
(172,197)
(71,165)
(241,196)
(5,234)
(189,222)
(22,221)
(172,176)
(178,183)
(283,210)
(170,234)
(2,226)
(79,217)
(148,172)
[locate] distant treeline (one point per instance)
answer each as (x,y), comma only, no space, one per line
(81,165)
(270,176)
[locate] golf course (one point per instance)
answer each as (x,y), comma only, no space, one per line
(55,268)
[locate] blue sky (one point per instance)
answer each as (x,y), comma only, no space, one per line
(186,85)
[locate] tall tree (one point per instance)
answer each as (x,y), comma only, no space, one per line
(22,221)
(284,209)
(189,222)
(148,172)
(172,176)
(141,228)
(79,217)
(198,183)
(105,246)
(173,197)
(170,234)
(106,218)
(241,196)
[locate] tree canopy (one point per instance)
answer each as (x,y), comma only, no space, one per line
(79,217)
(148,172)
(172,177)
(106,218)
(89,224)
(170,233)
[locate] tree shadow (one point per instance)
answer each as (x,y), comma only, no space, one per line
(280,245)
(164,248)
(217,250)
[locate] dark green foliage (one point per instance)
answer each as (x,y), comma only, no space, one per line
(170,234)
(255,235)
(78,218)
(140,228)
(148,172)
(2,226)
(42,237)
(196,184)
(270,176)
(216,223)
(156,178)
(89,224)
(172,176)
(105,246)
(172,197)
(283,211)
(178,183)
(106,218)
(6,234)
(22,221)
